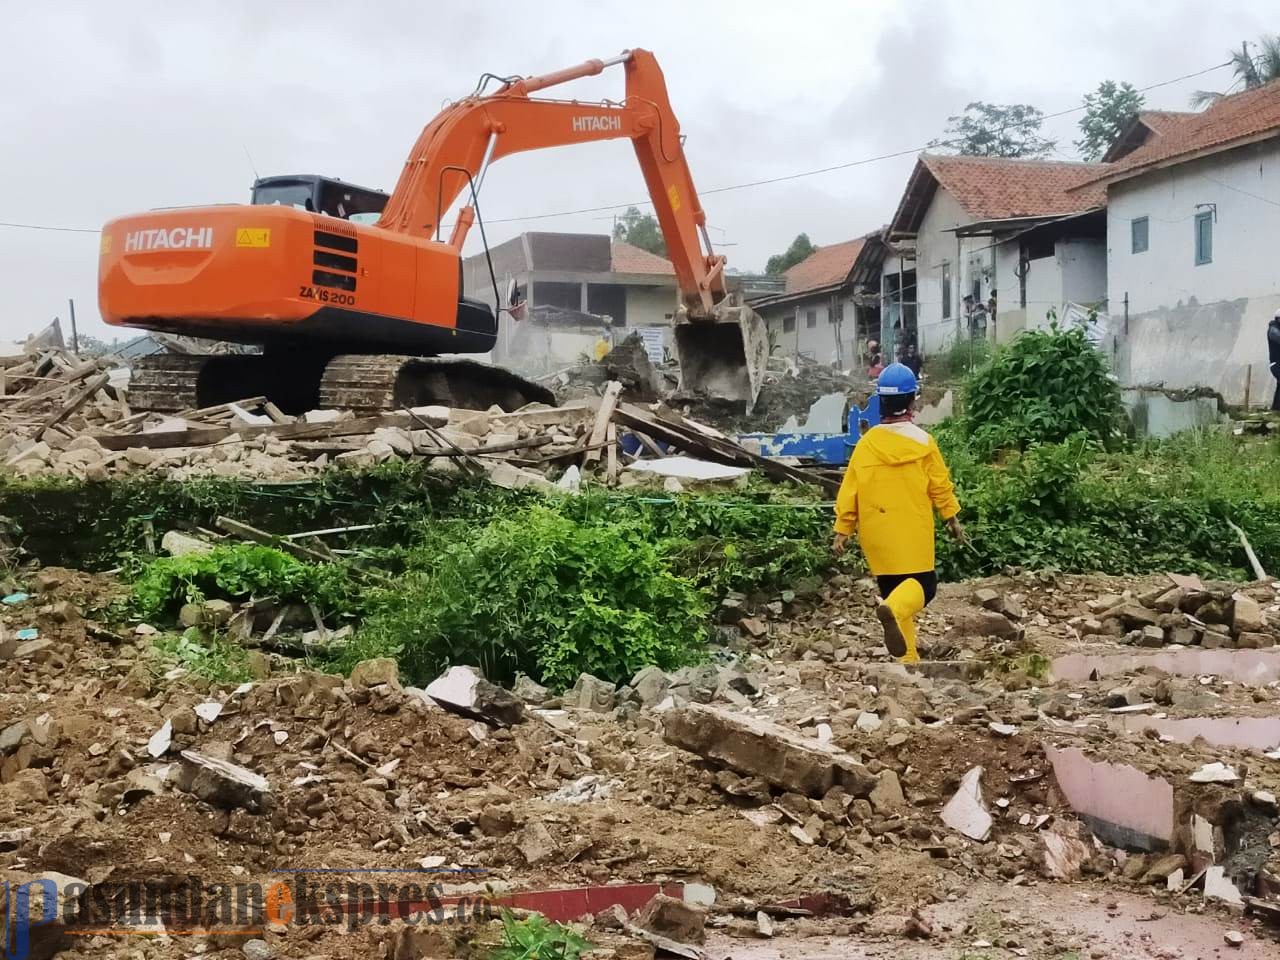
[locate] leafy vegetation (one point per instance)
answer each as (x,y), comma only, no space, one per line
(1107,111)
(212,658)
(238,572)
(1250,69)
(801,249)
(542,594)
(640,230)
(996,130)
(1043,388)
(537,938)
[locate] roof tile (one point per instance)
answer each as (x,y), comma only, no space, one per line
(999,188)
(1239,117)
(630,259)
(823,267)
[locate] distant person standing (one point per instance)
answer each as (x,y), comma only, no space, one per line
(876,368)
(911,360)
(1273,346)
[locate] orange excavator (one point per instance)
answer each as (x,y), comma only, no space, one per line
(372,315)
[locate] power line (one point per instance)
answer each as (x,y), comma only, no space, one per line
(861,162)
(40,226)
(767,180)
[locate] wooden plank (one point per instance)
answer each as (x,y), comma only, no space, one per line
(611,455)
(192,413)
(469,463)
(74,377)
(202,436)
(714,448)
(75,403)
(647,442)
(261,536)
(608,403)
(163,440)
(275,413)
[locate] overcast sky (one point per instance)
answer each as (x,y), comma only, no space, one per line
(112,108)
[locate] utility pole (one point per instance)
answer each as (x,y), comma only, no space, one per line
(75,340)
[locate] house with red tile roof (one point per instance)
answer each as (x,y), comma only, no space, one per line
(578,288)
(1193,226)
(829,306)
(988,246)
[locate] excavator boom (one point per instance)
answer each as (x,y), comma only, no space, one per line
(308,282)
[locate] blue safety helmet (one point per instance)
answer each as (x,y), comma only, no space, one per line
(896,380)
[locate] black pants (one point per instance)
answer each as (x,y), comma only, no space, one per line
(1275,403)
(928,582)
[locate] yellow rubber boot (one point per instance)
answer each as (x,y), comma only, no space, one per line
(897,616)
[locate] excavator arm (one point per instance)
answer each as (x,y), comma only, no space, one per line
(455,149)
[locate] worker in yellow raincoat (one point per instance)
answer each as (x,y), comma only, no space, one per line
(895,480)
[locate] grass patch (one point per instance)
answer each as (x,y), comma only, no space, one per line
(238,572)
(210,658)
(537,938)
(538,593)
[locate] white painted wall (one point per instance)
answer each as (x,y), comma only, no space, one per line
(1203,325)
(650,306)
(818,342)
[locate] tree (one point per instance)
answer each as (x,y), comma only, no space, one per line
(640,230)
(1253,71)
(996,130)
(1106,112)
(801,249)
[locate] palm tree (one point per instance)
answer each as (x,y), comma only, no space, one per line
(1251,71)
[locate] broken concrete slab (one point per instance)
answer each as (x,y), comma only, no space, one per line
(462,690)
(965,812)
(1252,667)
(179,544)
(674,919)
(1064,857)
(1122,805)
(1246,614)
(1217,886)
(759,748)
(689,468)
(222,783)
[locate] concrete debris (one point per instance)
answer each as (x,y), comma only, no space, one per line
(1233,938)
(179,544)
(373,673)
(1064,856)
(1214,773)
(758,748)
(463,690)
(535,843)
(222,783)
(965,812)
(1217,886)
(674,919)
(159,743)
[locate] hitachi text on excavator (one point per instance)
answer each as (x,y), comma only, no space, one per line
(357,314)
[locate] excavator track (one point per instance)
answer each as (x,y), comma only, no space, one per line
(390,382)
(366,384)
(166,383)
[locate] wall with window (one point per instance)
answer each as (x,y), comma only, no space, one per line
(1201,292)
(809,328)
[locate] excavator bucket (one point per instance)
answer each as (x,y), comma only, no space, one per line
(724,355)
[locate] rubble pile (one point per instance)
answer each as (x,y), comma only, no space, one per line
(539,447)
(48,400)
(798,782)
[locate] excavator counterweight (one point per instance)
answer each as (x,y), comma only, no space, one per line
(355,299)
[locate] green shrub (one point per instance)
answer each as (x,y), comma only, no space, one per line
(539,593)
(537,938)
(1044,387)
(238,572)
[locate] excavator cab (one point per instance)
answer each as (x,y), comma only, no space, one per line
(316,194)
